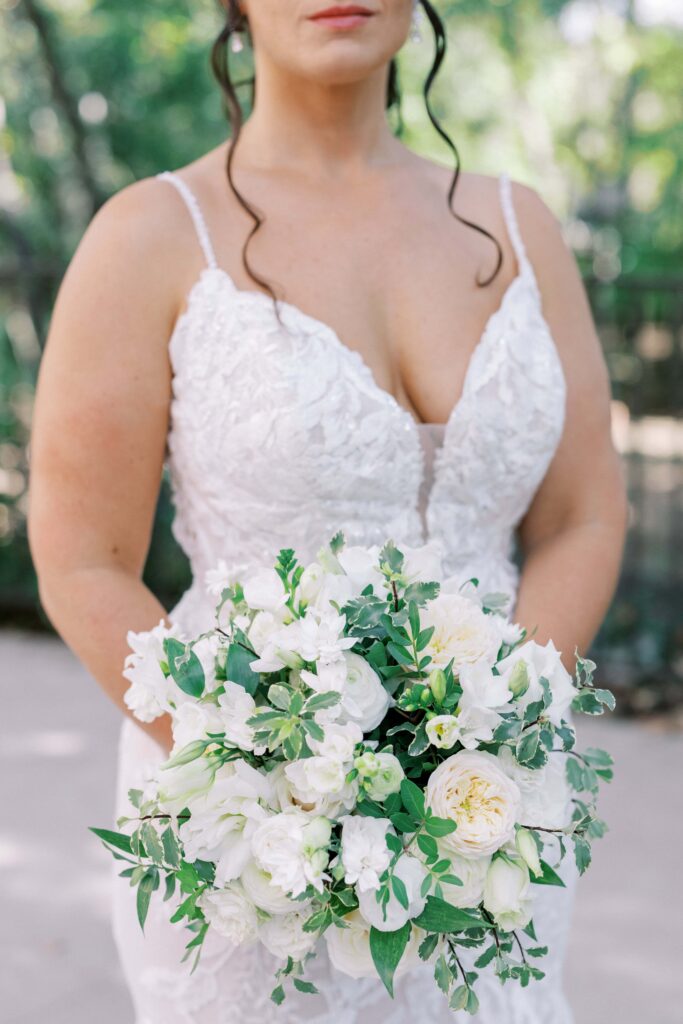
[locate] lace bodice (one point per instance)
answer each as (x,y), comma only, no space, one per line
(279,436)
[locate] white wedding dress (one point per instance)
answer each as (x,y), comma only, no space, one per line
(280,437)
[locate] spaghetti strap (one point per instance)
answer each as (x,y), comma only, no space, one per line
(525,267)
(195,212)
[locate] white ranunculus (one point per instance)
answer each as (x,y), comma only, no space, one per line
(506,892)
(462,632)
(264,591)
(393,915)
(472,789)
(183,785)
(443,731)
(298,793)
(364,851)
(330,675)
(472,873)
(236,707)
(381,773)
(546,796)
(364,698)
(280,847)
(263,893)
(224,820)
(284,936)
(542,661)
(151,693)
(339,742)
(230,913)
(314,777)
(349,948)
(361,566)
(192,721)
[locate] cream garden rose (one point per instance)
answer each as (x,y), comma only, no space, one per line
(462,632)
(472,789)
(349,948)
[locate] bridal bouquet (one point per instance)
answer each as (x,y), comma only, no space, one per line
(363,756)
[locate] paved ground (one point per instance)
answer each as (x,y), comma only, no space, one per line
(57,960)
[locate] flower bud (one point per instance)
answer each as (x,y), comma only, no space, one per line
(528,851)
(290,658)
(426,695)
(317,833)
(437,684)
(187,753)
(518,682)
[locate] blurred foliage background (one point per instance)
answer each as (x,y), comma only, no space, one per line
(582,99)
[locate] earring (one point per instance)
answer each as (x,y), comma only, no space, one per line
(236,42)
(416,23)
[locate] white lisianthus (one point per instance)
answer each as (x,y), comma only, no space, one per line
(349,948)
(284,936)
(482,689)
(151,693)
(224,820)
(506,892)
(297,792)
(542,661)
(236,707)
(281,846)
(264,625)
(230,913)
(472,789)
(339,742)
(361,565)
(314,777)
(364,698)
(264,591)
(462,632)
(364,851)
(181,786)
(443,731)
(546,796)
(263,893)
(192,721)
(394,915)
(381,774)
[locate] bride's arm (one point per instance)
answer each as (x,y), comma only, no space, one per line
(99,434)
(573,534)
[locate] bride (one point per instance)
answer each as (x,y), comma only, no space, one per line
(433,375)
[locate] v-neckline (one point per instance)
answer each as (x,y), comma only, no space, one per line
(295,312)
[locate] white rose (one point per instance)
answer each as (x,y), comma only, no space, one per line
(542,661)
(224,820)
(472,873)
(381,773)
(364,851)
(506,892)
(192,721)
(364,698)
(546,797)
(182,785)
(472,789)
(280,847)
(284,936)
(393,915)
(462,632)
(230,913)
(151,693)
(264,590)
(349,948)
(263,893)
(236,707)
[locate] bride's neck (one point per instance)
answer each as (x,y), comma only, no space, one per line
(322,129)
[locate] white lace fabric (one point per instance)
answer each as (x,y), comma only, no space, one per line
(280,436)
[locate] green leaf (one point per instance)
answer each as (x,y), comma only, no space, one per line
(413,799)
(278,995)
(145,890)
(279,696)
(400,891)
(439,826)
(402,822)
(170,887)
(387,948)
(400,654)
(486,957)
(414,619)
(305,986)
(442,974)
(420,741)
(459,998)
(185,667)
(439,916)
(320,701)
(391,557)
(427,946)
(314,730)
(422,592)
(238,668)
(582,852)
(170,845)
(428,846)
(527,745)
(117,839)
(152,843)
(548,876)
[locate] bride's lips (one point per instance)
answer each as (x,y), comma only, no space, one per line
(342,16)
